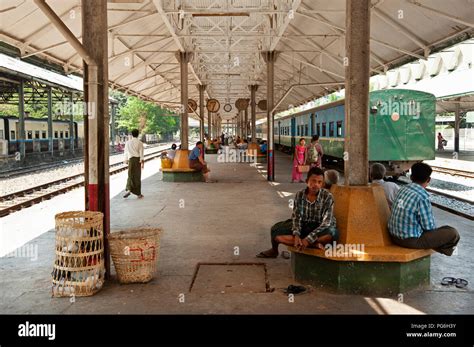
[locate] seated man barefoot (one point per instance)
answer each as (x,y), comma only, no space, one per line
(196,161)
(312,223)
(411,223)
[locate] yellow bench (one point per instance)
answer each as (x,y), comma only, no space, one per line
(365,261)
(180,171)
(392,253)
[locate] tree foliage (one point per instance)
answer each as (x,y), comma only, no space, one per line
(147,118)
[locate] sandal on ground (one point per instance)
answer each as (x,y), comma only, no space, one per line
(461,283)
(265,255)
(292,289)
(447,281)
(127,194)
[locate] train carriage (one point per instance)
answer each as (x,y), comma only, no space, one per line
(401,128)
(36,134)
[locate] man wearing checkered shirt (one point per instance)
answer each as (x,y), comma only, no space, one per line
(312,223)
(411,222)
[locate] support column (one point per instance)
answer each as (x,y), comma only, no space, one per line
(356,167)
(220,127)
(184,58)
(20,136)
(50,122)
(94,39)
(239,124)
(209,124)
(270,58)
(242,124)
(201,88)
(71,124)
(113,107)
(253,104)
(457,123)
(216,125)
(246,121)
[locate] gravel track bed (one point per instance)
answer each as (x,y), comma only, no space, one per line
(17,183)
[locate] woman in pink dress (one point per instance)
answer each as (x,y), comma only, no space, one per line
(299,158)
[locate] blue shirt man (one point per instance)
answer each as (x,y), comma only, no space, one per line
(411,223)
(197,162)
(195,153)
(411,212)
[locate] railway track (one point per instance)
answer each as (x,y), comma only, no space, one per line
(453,172)
(25,198)
(58,164)
(47,166)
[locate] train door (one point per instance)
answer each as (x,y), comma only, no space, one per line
(293,133)
(279,132)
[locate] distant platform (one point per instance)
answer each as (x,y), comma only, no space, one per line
(464,160)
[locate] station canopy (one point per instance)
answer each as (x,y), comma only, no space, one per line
(227,38)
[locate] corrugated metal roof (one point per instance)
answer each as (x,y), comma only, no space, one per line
(10,65)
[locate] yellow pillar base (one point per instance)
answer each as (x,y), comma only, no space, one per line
(181,160)
(362,214)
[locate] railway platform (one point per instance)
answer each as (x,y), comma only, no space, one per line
(226,224)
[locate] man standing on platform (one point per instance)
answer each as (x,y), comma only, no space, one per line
(134,159)
(412,224)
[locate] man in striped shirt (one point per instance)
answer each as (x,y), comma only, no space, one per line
(411,223)
(312,223)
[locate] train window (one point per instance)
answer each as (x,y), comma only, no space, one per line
(55,134)
(37,134)
(331,129)
(339,129)
(306,130)
(323,130)
(12,135)
(43,134)
(30,134)
(61,134)
(318,129)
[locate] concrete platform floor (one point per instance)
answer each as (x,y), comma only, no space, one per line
(207,223)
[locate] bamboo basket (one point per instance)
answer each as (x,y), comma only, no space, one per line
(134,253)
(79,265)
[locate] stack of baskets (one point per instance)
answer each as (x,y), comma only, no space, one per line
(134,253)
(79,264)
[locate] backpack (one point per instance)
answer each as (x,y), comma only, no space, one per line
(313,154)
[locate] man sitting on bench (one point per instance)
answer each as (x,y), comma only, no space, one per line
(411,223)
(197,162)
(312,224)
